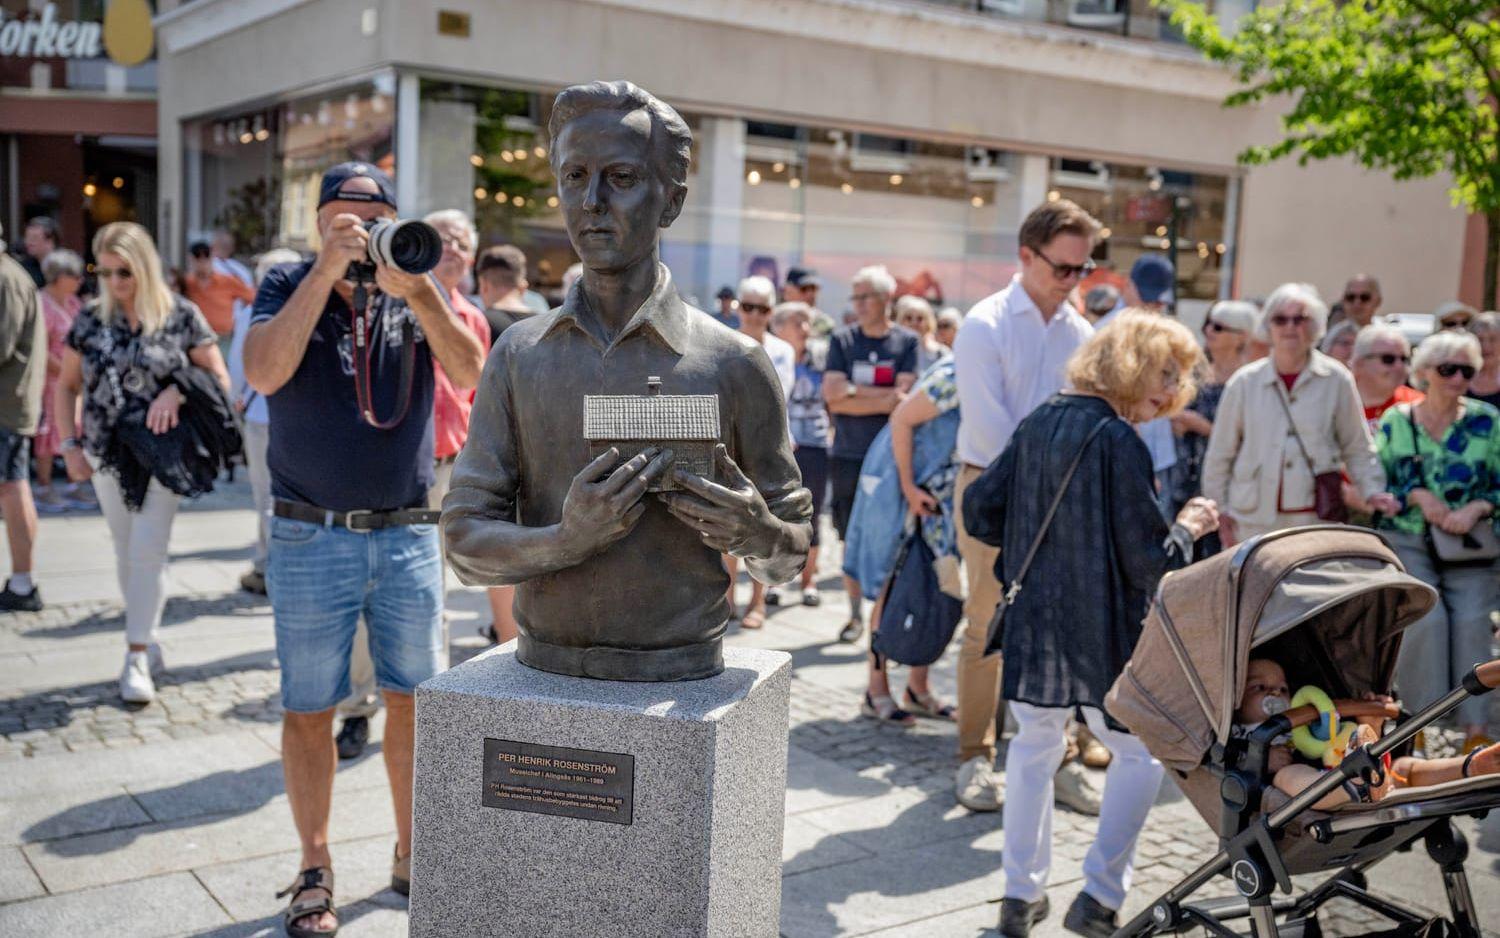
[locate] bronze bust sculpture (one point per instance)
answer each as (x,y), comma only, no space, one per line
(617,557)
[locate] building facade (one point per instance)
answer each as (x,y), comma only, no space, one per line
(828,133)
(77,116)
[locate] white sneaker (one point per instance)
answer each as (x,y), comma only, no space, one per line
(1071,789)
(977,785)
(135,680)
(158,663)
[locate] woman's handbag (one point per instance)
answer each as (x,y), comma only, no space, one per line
(918,619)
(1478,546)
(1328,487)
(996,633)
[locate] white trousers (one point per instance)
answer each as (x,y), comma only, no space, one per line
(257,440)
(1130,787)
(141,540)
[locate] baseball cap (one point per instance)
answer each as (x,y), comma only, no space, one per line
(335,177)
(1152,276)
(200,249)
(725,293)
(803,277)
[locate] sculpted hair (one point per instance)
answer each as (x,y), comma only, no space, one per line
(1119,361)
(669,132)
(1051,219)
(153,300)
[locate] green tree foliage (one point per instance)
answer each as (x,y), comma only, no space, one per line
(1405,86)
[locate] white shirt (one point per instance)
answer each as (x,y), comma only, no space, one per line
(1008,361)
(784,360)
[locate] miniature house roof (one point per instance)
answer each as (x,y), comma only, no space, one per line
(666,417)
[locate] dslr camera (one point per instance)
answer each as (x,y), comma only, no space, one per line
(412,246)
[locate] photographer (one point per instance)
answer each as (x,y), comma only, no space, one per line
(351,461)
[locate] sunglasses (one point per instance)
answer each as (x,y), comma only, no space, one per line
(1389,359)
(1295,322)
(1066,271)
(1449,369)
(1358,297)
(110,273)
(754,308)
(1216,327)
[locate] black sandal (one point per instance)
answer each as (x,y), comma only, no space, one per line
(317,877)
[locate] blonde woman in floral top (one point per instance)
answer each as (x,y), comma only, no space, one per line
(1442,457)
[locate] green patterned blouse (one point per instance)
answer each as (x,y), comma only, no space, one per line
(1461,467)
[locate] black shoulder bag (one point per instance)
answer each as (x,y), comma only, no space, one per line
(996,631)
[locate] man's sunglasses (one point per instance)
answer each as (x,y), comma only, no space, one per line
(1066,271)
(1358,297)
(754,308)
(1387,358)
(1449,369)
(110,273)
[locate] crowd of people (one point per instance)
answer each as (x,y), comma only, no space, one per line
(946,447)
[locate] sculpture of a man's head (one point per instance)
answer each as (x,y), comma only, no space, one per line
(621,159)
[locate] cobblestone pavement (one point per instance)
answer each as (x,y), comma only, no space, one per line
(91,844)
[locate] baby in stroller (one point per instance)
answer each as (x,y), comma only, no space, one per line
(1267,694)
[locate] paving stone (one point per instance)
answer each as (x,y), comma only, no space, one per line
(17,879)
(141,908)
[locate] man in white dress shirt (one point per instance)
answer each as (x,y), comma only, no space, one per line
(1009,356)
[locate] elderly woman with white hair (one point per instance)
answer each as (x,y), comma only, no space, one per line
(1379,361)
(1338,343)
(1286,425)
(1443,459)
(916,314)
(1486,385)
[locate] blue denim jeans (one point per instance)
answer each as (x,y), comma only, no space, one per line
(321,579)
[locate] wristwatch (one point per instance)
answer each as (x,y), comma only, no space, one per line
(851,390)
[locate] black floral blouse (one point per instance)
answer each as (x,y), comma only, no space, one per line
(141,363)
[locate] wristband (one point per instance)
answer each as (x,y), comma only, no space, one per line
(1469,762)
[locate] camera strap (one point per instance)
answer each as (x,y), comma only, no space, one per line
(362,351)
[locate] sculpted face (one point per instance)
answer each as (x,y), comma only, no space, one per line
(610,181)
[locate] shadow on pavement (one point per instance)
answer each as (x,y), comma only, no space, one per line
(180,610)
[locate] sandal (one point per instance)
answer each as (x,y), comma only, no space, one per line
(317,877)
(753,619)
(884,709)
(930,705)
(400,872)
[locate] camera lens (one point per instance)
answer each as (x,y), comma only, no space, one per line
(411,246)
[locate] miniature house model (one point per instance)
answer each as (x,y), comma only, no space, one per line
(686,423)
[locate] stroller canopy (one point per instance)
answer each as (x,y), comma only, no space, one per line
(1326,602)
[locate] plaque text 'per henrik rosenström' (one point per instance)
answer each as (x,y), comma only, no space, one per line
(577,783)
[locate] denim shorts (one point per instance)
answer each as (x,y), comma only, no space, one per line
(15,456)
(322,579)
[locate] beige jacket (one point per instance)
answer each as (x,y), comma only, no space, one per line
(1252,455)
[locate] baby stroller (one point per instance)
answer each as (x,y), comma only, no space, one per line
(1328,602)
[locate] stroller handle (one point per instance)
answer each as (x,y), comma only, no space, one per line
(1488,674)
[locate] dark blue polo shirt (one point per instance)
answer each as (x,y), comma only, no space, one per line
(322,452)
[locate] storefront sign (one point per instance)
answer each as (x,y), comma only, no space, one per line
(126,34)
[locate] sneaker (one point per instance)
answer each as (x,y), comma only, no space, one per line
(811,597)
(136,686)
(80,495)
(773,597)
(1017,916)
(254,582)
(353,736)
(11,601)
(1088,916)
(851,631)
(1071,789)
(977,785)
(155,660)
(49,501)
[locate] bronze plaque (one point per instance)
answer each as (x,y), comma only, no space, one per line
(580,783)
(453,23)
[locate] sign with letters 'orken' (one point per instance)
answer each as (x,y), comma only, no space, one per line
(577,783)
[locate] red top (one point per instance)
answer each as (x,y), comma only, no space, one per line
(1289,380)
(1403,395)
(451,406)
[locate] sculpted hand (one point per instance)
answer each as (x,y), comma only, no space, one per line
(731,518)
(603,506)
(1200,516)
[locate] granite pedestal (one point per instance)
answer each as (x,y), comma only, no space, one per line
(599,807)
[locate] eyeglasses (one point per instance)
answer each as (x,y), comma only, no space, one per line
(1217,327)
(1066,271)
(1389,359)
(861,297)
(1296,322)
(912,320)
(1358,297)
(110,273)
(754,308)
(457,243)
(1449,369)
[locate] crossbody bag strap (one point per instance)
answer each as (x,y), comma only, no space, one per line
(1312,469)
(1067,479)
